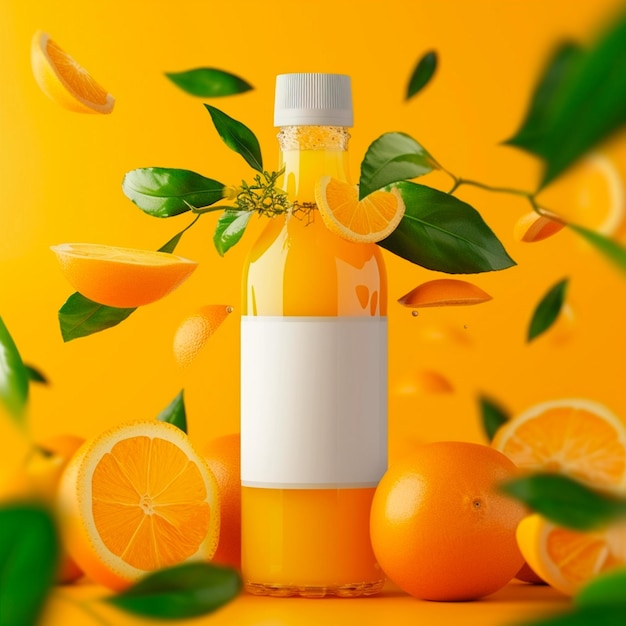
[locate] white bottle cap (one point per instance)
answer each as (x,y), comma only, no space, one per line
(313,100)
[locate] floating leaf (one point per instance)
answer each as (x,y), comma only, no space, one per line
(229,229)
(391,158)
(237,137)
(605,615)
(164,192)
(493,416)
(613,251)
(608,588)
(565,501)
(28,562)
(208,82)
(444,292)
(13,375)
(547,310)
(180,592)
(170,246)
(423,72)
(440,232)
(175,413)
(35,375)
(80,317)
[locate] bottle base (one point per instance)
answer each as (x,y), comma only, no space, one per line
(341,591)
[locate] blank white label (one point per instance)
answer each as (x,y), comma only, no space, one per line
(313,401)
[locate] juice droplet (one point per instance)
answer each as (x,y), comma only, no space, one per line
(415,313)
(229,309)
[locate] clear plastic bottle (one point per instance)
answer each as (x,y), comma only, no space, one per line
(314,371)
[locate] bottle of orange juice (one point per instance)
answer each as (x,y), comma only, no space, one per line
(313,371)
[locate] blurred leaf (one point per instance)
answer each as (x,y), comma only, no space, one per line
(493,416)
(237,137)
(28,561)
(175,413)
(613,251)
(584,106)
(35,375)
(391,158)
(80,317)
(442,233)
(548,309)
(565,501)
(13,375)
(180,592)
(164,192)
(209,82)
(231,226)
(608,588)
(605,615)
(423,72)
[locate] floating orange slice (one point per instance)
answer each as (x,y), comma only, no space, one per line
(444,292)
(534,227)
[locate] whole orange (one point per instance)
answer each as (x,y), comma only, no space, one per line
(440,528)
(223,456)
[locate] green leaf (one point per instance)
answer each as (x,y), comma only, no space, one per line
(586,106)
(208,82)
(175,413)
(547,310)
(13,375)
(391,158)
(565,501)
(613,251)
(80,317)
(180,592)
(164,192)
(28,561)
(35,375)
(237,137)
(606,615)
(423,72)
(442,233)
(493,416)
(170,246)
(229,229)
(608,588)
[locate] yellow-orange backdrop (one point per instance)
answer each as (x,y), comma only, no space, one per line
(61,175)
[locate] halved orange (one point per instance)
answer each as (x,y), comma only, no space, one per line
(576,437)
(66,82)
(368,220)
(135,499)
(444,292)
(567,559)
(121,277)
(534,227)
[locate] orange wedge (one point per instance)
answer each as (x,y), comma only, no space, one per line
(444,292)
(63,80)
(121,277)
(576,437)
(534,227)
(368,220)
(422,381)
(567,559)
(135,499)
(195,330)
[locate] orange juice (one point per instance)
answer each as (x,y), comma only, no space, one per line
(313,395)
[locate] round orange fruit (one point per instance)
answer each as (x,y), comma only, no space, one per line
(440,527)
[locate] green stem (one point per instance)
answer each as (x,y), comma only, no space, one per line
(86,607)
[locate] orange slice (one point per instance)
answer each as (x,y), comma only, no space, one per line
(576,437)
(567,559)
(534,227)
(420,381)
(195,330)
(444,292)
(135,499)
(368,220)
(61,78)
(121,277)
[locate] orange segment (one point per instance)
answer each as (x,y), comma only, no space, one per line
(364,221)
(135,499)
(576,437)
(534,227)
(567,559)
(121,277)
(62,79)
(444,292)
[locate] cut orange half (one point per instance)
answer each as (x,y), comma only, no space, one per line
(121,277)
(368,220)
(444,292)
(61,78)
(576,437)
(135,499)
(567,559)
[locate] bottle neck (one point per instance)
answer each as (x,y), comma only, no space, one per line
(308,153)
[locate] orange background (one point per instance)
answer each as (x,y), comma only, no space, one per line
(61,173)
